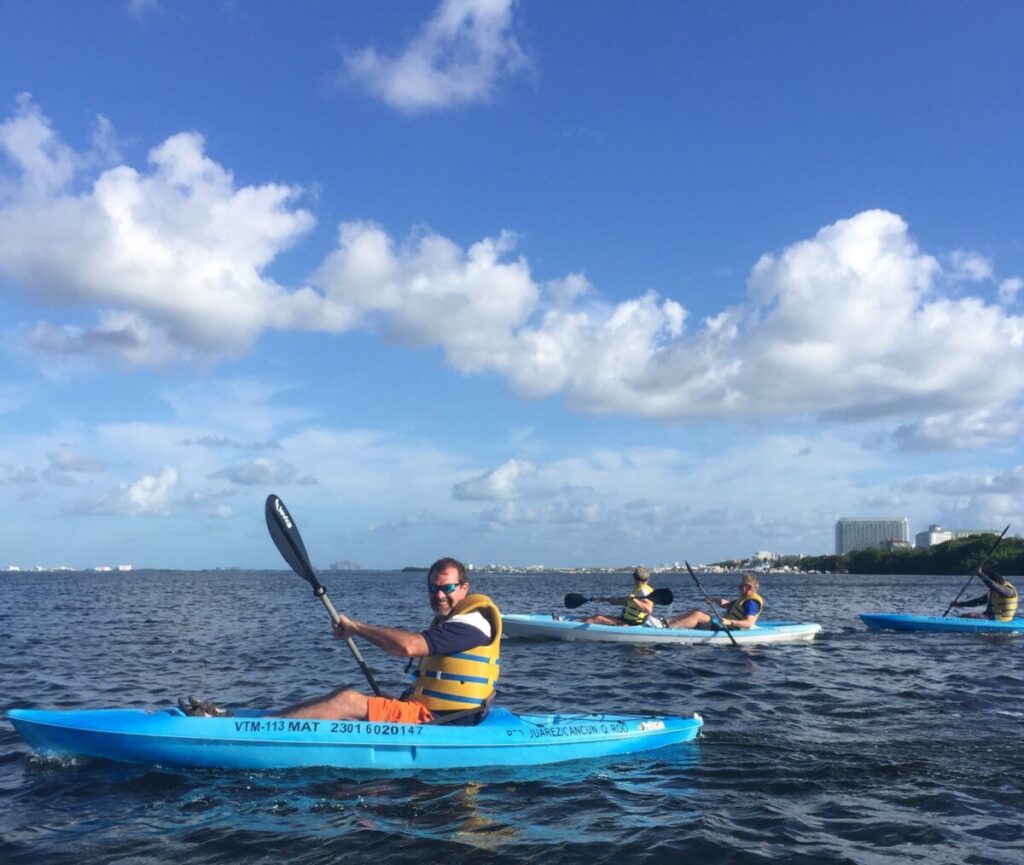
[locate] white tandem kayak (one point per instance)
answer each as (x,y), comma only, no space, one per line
(545,627)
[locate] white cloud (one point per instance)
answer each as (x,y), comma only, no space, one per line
(261,471)
(429,292)
(963,429)
(17,475)
(970,266)
(174,259)
(850,323)
(499,483)
(561,505)
(853,323)
(978,499)
(1007,482)
(150,495)
(458,57)
(66,466)
(1009,290)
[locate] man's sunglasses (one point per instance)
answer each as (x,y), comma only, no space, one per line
(447,588)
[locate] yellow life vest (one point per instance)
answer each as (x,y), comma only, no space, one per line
(633,613)
(466,679)
(735,612)
(1003,609)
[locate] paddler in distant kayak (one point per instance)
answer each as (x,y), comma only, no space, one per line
(637,606)
(1000,600)
(741,613)
(458,660)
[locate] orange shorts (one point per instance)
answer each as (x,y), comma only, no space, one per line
(400,711)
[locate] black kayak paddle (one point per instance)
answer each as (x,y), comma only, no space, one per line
(659,596)
(289,543)
(715,615)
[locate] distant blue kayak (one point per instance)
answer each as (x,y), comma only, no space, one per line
(903,622)
(254,740)
(544,627)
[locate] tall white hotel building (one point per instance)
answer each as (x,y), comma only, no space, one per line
(856,533)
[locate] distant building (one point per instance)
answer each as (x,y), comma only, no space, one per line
(938,535)
(860,533)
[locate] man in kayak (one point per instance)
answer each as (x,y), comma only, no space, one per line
(741,613)
(458,661)
(637,606)
(1000,600)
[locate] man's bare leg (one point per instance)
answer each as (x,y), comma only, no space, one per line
(341,705)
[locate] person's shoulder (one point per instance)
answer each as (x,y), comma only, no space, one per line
(475,619)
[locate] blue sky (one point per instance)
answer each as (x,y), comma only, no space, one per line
(564,283)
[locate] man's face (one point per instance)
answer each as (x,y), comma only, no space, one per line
(446,591)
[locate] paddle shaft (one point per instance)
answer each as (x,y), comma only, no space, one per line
(714,613)
(285,534)
(971,577)
(658,596)
(335,618)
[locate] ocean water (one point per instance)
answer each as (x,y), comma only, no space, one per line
(861,747)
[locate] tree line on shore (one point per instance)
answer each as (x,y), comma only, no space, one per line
(960,556)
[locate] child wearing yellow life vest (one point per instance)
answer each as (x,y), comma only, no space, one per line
(637,605)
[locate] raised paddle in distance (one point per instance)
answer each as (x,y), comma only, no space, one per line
(659,596)
(289,543)
(714,613)
(971,577)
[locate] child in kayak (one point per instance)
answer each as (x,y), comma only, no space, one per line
(637,605)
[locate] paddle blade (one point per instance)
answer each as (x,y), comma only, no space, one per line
(662,596)
(572,600)
(288,541)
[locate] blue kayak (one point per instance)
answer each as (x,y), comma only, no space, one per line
(255,740)
(959,624)
(541,627)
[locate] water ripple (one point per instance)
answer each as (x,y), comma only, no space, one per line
(867,748)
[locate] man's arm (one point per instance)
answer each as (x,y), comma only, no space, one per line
(973,602)
(394,641)
(999,588)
